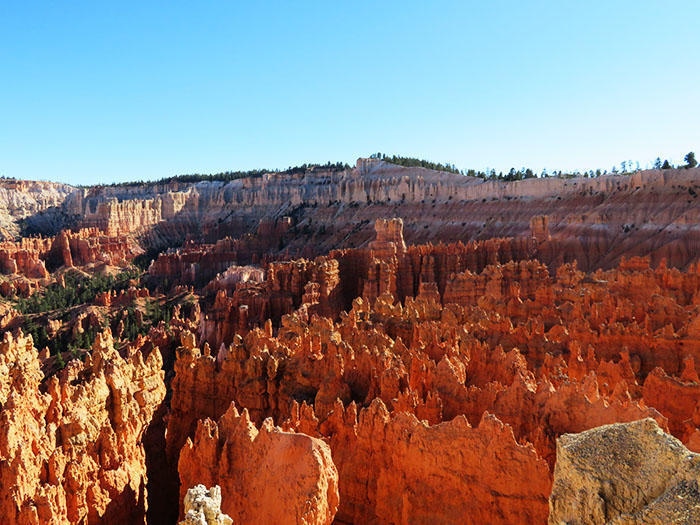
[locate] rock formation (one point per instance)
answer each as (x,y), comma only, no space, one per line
(71,451)
(594,221)
(389,241)
(507,347)
(625,473)
(266,475)
(396,469)
(34,257)
(23,257)
(416,382)
(90,245)
(539,227)
(36,202)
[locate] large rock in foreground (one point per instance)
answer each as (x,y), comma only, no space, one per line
(626,473)
(266,475)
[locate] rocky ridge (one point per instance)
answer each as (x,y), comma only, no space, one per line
(594,221)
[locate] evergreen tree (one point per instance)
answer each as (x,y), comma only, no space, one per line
(690,161)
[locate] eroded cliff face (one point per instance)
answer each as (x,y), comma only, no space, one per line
(592,221)
(503,358)
(395,469)
(36,257)
(38,201)
(23,257)
(70,448)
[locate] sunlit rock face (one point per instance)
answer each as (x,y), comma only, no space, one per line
(37,202)
(71,451)
(37,257)
(266,475)
(203,507)
(500,362)
(594,221)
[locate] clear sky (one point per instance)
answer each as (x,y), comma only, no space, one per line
(110,91)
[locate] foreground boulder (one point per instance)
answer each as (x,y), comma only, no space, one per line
(203,507)
(266,475)
(625,473)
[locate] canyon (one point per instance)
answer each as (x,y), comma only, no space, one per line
(371,345)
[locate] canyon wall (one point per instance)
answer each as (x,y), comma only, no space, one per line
(392,381)
(594,221)
(39,202)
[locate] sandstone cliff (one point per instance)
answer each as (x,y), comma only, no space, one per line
(20,199)
(592,221)
(411,382)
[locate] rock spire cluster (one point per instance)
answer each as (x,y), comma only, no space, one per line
(374,345)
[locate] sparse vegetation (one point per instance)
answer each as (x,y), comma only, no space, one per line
(227,176)
(136,320)
(412,162)
(62,341)
(627,167)
(144,260)
(139,324)
(78,289)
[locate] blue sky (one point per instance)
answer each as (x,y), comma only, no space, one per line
(99,92)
